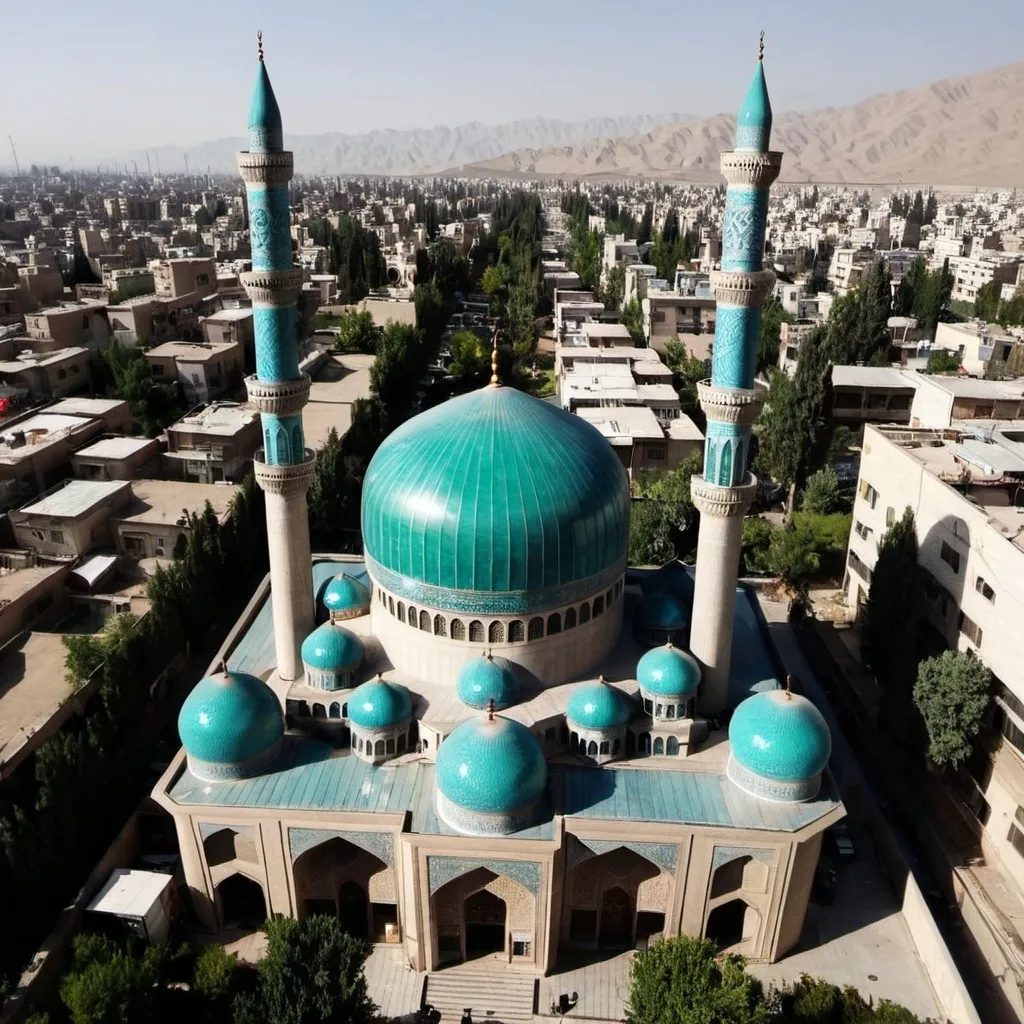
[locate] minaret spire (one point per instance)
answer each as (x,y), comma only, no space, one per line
(760,49)
(283,466)
(725,490)
(259,44)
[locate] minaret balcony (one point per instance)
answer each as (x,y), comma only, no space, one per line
(273,287)
(730,405)
(754,170)
(279,398)
(272,170)
(746,288)
(722,502)
(285,480)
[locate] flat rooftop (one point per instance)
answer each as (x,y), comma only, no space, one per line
(682,428)
(76,498)
(191,351)
(338,383)
(623,424)
(16,582)
(160,502)
(599,330)
(872,377)
(27,360)
(242,313)
(86,406)
(973,387)
(116,447)
(226,418)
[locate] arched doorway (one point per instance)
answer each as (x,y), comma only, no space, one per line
(733,926)
(354,909)
(616,919)
(241,903)
(484,914)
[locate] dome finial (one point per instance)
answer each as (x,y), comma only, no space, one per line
(259,44)
(760,48)
(789,687)
(490,710)
(495,381)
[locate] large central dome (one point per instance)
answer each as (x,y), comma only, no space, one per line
(495,492)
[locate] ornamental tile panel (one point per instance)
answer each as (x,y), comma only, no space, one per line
(724,854)
(277,347)
(743,228)
(379,844)
(441,870)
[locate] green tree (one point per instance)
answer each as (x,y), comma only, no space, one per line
(650,534)
(952,694)
(121,371)
(631,316)
(687,372)
(821,492)
(816,1001)
(614,288)
(432,311)
(875,308)
(682,981)
(942,361)
(773,316)
(987,301)
(312,972)
(108,985)
(470,355)
(357,332)
(791,557)
(891,616)
(646,228)
(493,281)
(663,519)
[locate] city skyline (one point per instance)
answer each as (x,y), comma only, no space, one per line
(399,73)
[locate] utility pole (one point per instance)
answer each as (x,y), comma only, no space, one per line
(187,175)
(17,166)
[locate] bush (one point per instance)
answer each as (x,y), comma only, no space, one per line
(214,972)
(952,694)
(821,494)
(107,984)
(757,537)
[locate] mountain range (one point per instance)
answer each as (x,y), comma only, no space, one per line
(959,131)
(394,152)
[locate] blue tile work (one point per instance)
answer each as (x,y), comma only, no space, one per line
(442,870)
(283,440)
(270,228)
(753,138)
(734,356)
(266,132)
(277,346)
(726,450)
(664,855)
(380,844)
(724,854)
(780,736)
(743,228)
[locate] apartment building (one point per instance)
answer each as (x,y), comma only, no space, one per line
(72,324)
(46,375)
(176,278)
(971,273)
(849,267)
(155,319)
(871,394)
(690,317)
(204,370)
(985,350)
(232,326)
(942,401)
(966,487)
(115,458)
(213,443)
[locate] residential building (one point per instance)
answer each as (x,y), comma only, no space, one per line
(941,401)
(790,336)
(638,277)
(155,319)
(213,443)
(232,326)
(48,375)
(971,273)
(871,394)
(985,349)
(204,370)
(175,279)
(848,267)
(640,440)
(70,325)
(688,316)
(116,458)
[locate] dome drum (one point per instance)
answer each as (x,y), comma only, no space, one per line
(378,746)
(235,771)
(480,823)
(774,790)
(669,679)
(598,717)
(666,709)
(598,746)
(662,619)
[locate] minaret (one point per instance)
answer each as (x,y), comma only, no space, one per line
(283,466)
(724,493)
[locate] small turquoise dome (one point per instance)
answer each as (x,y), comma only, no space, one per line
(345,597)
(490,766)
(662,611)
(668,672)
(500,495)
(597,706)
(482,680)
(379,705)
(228,718)
(780,736)
(754,122)
(265,127)
(332,648)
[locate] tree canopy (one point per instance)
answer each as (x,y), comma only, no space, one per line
(952,694)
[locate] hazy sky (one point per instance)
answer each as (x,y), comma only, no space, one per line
(92,79)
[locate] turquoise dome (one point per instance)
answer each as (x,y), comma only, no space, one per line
(662,611)
(491,766)
(230,717)
(379,705)
(332,648)
(597,706)
(668,672)
(482,680)
(346,597)
(497,494)
(780,736)
(754,121)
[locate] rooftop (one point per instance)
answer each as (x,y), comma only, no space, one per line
(191,351)
(599,330)
(242,313)
(76,498)
(682,428)
(161,502)
(16,582)
(227,418)
(29,359)
(624,424)
(116,447)
(872,377)
(130,893)
(86,406)
(973,387)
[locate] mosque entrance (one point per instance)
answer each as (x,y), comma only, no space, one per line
(733,926)
(484,914)
(241,903)
(353,909)
(616,919)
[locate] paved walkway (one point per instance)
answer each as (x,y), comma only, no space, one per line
(603,988)
(394,986)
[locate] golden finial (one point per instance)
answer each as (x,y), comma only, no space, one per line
(490,710)
(760,48)
(789,687)
(259,44)
(495,381)
(488,654)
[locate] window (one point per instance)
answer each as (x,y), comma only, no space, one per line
(584,613)
(656,453)
(496,633)
(158,371)
(598,606)
(401,609)
(536,628)
(476,632)
(440,626)
(868,493)
(458,629)
(862,531)
(515,632)
(890,516)
(970,629)
(425,621)
(1016,839)
(570,619)
(938,596)
(950,556)
(413,618)
(985,590)
(56,536)
(554,623)
(858,566)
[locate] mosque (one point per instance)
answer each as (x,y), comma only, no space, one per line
(486,738)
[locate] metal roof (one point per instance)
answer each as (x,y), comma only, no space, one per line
(130,893)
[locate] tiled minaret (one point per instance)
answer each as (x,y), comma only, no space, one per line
(724,493)
(284,465)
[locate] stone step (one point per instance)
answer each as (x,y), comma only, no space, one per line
(489,993)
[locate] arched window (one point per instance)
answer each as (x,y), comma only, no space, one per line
(334,711)
(573,741)
(672,746)
(344,710)
(645,743)
(659,745)
(592,749)
(554,623)
(648,706)
(359,744)
(608,599)
(391,745)
(401,610)
(391,605)
(616,744)
(476,632)
(458,629)
(425,621)
(584,613)
(303,709)
(660,710)
(563,733)
(401,743)
(378,748)
(605,747)
(598,606)
(267,453)
(670,711)
(570,619)
(282,446)
(496,633)
(536,628)
(319,711)
(440,626)
(515,632)
(412,616)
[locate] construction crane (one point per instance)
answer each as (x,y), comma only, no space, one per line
(149,166)
(136,166)
(17,166)
(187,175)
